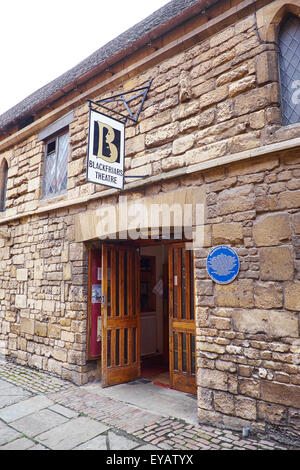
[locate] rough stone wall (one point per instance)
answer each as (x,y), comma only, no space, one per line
(43,296)
(218,98)
(248,342)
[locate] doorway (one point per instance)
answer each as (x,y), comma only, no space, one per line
(147,314)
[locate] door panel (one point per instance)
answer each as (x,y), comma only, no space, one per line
(182,319)
(121,319)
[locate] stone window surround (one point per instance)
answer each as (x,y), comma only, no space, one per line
(270,18)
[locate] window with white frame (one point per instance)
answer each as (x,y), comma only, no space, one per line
(56,165)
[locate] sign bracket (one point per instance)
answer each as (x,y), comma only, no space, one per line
(139,92)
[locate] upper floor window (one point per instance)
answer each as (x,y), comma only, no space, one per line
(3,184)
(56,165)
(289,66)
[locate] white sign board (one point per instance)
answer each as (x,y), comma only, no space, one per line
(105,162)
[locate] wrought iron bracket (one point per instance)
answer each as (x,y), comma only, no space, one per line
(138,92)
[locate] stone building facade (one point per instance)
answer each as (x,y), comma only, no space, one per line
(212,120)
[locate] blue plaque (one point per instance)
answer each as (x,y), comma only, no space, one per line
(223,264)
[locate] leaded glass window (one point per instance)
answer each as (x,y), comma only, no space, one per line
(3,184)
(56,166)
(289,66)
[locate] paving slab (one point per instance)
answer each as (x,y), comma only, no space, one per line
(18,444)
(7,434)
(98,443)
(117,442)
(10,394)
(24,408)
(71,434)
(62,410)
(39,422)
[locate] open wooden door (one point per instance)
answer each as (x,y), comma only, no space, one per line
(121,320)
(182,319)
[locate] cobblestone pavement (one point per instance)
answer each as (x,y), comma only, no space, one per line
(39,411)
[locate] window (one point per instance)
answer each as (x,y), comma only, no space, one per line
(56,166)
(3,184)
(289,66)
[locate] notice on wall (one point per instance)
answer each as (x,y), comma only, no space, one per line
(97,297)
(105,162)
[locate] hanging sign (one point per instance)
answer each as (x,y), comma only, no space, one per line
(105,162)
(222,264)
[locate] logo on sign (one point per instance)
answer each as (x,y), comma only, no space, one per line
(222,264)
(106,142)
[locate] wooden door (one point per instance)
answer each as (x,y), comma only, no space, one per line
(182,319)
(121,320)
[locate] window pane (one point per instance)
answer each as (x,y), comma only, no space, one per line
(3,184)
(49,175)
(62,163)
(289,65)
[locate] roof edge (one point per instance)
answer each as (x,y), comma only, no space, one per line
(155,25)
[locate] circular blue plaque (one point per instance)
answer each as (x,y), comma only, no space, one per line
(223,264)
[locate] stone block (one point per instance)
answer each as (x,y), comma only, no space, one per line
(242,85)
(268,295)
(283,394)
(211,347)
(39,269)
(238,293)
(53,331)
(54,366)
(214,96)
(232,75)
(245,408)
(183,144)
(162,135)
(40,329)
(236,200)
(266,67)
(49,306)
(289,200)
(253,166)
(231,233)
(292,295)
(67,271)
(22,274)
(206,152)
(296,223)
(276,264)
(220,323)
(213,379)
(157,120)
(256,99)
(273,414)
(272,230)
(224,403)
(270,322)
(27,326)
(67,336)
(75,167)
(18,259)
(21,301)
(249,387)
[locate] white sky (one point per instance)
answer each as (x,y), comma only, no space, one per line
(41,40)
